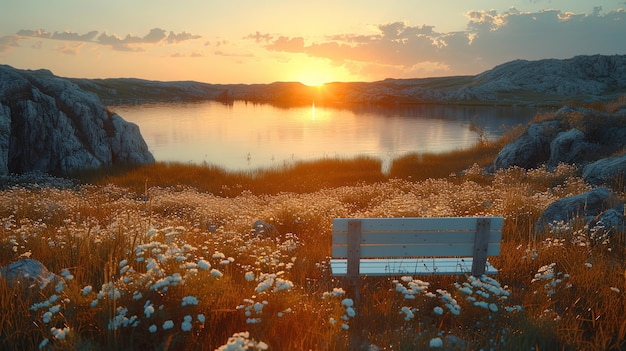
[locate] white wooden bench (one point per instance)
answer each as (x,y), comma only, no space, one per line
(414,246)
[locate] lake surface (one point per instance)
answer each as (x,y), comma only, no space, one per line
(246,136)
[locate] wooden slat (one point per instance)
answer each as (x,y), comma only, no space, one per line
(416,250)
(420,266)
(426,224)
(423,237)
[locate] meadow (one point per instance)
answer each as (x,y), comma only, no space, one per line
(165,257)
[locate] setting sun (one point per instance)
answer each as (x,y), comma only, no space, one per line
(316,72)
(314,78)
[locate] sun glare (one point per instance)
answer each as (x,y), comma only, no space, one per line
(314,78)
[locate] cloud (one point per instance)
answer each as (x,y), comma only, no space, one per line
(490,38)
(67,35)
(259,38)
(286,44)
(547,34)
(174,38)
(127,43)
(118,43)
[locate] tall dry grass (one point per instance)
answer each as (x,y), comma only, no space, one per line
(142,248)
(301,177)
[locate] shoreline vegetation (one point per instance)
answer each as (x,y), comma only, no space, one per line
(166,257)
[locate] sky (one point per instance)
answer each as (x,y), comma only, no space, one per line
(251,41)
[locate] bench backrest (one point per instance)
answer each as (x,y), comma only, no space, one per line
(416,237)
(473,237)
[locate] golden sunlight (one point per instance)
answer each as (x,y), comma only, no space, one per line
(314,78)
(315,72)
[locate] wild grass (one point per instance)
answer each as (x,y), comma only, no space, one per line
(165,257)
(301,177)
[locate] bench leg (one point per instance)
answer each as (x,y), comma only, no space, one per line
(354,257)
(353,275)
(481,244)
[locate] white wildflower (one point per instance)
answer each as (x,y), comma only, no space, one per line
(249,276)
(189,300)
(202,264)
(436,343)
(186,325)
(493,307)
(87,289)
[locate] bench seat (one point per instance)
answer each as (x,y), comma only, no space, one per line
(409,266)
(414,246)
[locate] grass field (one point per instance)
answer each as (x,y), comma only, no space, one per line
(165,257)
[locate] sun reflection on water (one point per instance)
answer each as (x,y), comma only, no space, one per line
(244,136)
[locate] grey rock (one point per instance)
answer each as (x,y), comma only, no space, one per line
(608,223)
(590,76)
(606,171)
(573,135)
(571,147)
(49,124)
(587,205)
(530,149)
(28,273)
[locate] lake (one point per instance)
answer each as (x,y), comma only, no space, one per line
(247,136)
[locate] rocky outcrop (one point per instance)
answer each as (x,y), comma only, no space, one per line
(600,212)
(594,77)
(570,147)
(48,124)
(573,135)
(610,170)
(530,149)
(591,203)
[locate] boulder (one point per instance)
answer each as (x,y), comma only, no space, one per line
(605,171)
(50,125)
(571,147)
(587,206)
(608,223)
(28,273)
(531,149)
(573,135)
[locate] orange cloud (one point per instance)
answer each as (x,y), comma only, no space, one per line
(127,43)
(490,38)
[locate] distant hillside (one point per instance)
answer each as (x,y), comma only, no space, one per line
(519,82)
